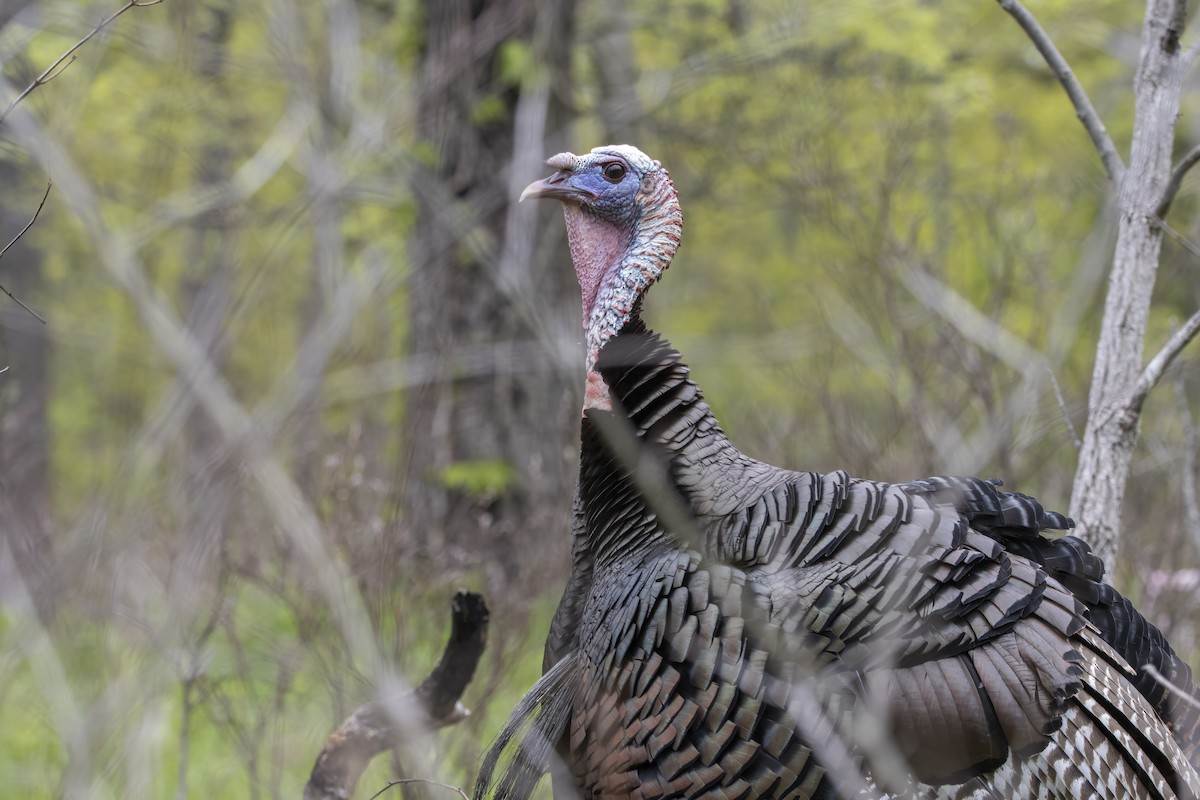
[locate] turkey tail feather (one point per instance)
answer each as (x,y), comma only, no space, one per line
(528,739)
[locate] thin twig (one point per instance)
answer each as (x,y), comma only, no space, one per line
(53,71)
(1150,670)
(402,781)
(1074,89)
(1172,188)
(17,300)
(1062,406)
(56,73)
(1158,365)
(1184,242)
(28,225)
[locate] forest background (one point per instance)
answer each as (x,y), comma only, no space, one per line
(303,367)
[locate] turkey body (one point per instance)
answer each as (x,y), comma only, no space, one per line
(733,629)
(737,663)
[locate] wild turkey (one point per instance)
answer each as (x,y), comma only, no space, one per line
(734,630)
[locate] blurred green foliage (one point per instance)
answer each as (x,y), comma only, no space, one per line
(822,150)
(479,477)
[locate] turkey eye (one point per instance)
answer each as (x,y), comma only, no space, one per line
(614,172)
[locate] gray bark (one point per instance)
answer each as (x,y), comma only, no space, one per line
(1114,408)
(499,295)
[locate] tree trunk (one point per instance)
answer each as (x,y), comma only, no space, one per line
(1113,412)
(612,58)
(205,494)
(487,466)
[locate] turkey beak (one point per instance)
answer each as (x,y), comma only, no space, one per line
(559,187)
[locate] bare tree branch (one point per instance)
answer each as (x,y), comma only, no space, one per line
(241,185)
(56,69)
(373,727)
(28,225)
(989,336)
(1074,89)
(974,325)
(1172,188)
(1158,365)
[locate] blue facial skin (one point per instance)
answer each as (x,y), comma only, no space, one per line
(615,202)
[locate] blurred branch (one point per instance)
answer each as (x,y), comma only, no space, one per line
(28,225)
(1180,239)
(989,336)
(1191,504)
(56,69)
(968,320)
(1074,89)
(1062,407)
(30,637)
(294,517)
(247,179)
(1150,670)
(191,673)
(51,72)
(373,728)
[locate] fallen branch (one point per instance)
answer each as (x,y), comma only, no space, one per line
(1074,89)
(28,225)
(56,69)
(384,724)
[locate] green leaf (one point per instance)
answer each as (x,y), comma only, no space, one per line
(483,478)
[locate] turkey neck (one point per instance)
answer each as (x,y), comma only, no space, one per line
(676,493)
(616,261)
